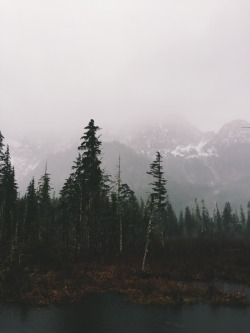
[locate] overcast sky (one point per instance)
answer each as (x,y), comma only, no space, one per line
(63,62)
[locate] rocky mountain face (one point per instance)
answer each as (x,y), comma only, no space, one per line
(212,166)
(203,165)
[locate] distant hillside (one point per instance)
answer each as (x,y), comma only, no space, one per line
(212,166)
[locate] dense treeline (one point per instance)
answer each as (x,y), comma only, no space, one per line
(96,215)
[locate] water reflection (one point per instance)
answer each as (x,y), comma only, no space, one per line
(110,313)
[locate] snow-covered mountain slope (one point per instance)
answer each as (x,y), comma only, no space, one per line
(219,163)
(212,166)
(30,158)
(165,138)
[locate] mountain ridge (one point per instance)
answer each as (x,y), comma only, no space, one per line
(208,165)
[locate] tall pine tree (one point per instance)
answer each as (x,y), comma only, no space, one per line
(156,205)
(92,184)
(158,195)
(44,208)
(30,225)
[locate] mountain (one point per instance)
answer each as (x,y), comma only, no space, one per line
(164,137)
(212,166)
(31,158)
(31,161)
(203,165)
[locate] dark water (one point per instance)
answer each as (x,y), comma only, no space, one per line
(111,313)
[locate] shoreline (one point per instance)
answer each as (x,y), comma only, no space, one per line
(50,288)
(186,272)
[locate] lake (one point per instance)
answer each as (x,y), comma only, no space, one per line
(105,313)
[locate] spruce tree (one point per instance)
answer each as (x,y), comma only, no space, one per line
(8,206)
(217,220)
(242,219)
(118,183)
(44,208)
(113,225)
(189,223)
(1,184)
(171,224)
(236,225)
(227,219)
(206,221)
(156,205)
(30,226)
(181,223)
(130,216)
(248,219)
(9,196)
(92,184)
(89,168)
(69,212)
(159,192)
(158,196)
(198,218)
(1,157)
(127,212)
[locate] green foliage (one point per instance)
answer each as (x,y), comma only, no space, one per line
(8,200)
(227,219)
(30,225)
(45,227)
(90,220)
(159,192)
(189,222)
(84,196)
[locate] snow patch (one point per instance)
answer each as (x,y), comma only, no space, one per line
(194,151)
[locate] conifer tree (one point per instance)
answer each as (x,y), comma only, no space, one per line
(8,202)
(1,156)
(9,197)
(170,221)
(148,210)
(189,222)
(44,207)
(90,162)
(242,219)
(69,206)
(30,227)
(236,225)
(158,196)
(248,219)
(127,212)
(159,192)
(1,185)
(112,234)
(227,220)
(198,218)
(217,218)
(181,224)
(156,204)
(92,184)
(130,216)
(118,181)
(206,221)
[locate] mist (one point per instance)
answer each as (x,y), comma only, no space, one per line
(121,63)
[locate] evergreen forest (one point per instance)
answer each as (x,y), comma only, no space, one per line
(99,218)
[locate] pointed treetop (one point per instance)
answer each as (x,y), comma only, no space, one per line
(1,145)
(159,192)
(91,142)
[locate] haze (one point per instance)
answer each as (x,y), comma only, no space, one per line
(63,62)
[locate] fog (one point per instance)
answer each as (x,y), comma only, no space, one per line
(63,62)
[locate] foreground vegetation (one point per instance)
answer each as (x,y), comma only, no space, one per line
(97,237)
(187,272)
